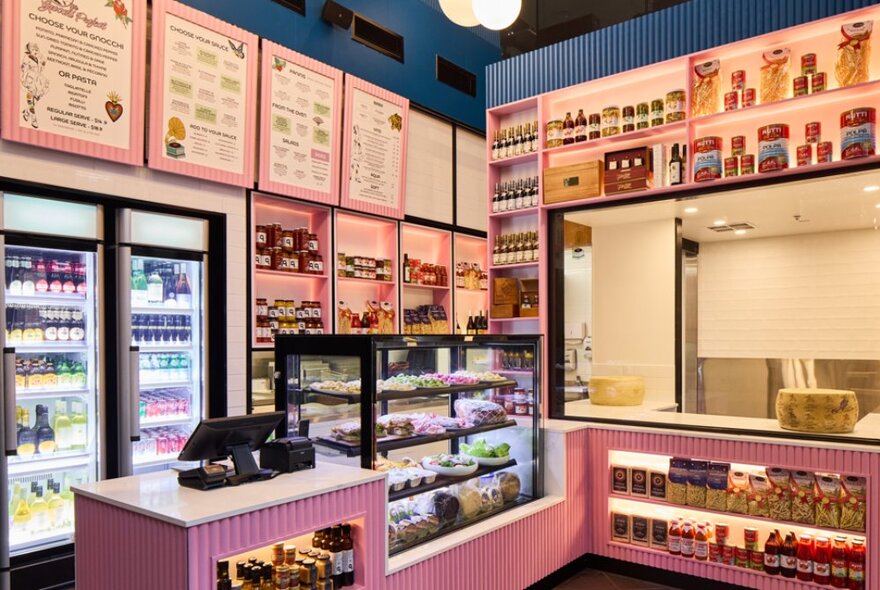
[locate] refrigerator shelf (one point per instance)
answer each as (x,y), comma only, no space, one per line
(48,463)
(47,299)
(147,385)
(165,347)
(47,346)
(165,421)
(42,540)
(163,310)
(51,393)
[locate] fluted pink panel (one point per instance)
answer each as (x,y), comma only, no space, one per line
(216,540)
(764,453)
(116,548)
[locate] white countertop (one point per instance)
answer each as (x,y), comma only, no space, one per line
(586,409)
(158,495)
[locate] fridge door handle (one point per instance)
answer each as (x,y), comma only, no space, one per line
(134,389)
(10,440)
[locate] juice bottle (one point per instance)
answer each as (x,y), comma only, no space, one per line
(701,544)
(771,554)
(788,557)
(839,573)
(805,558)
(688,538)
(674,537)
(855,563)
(822,561)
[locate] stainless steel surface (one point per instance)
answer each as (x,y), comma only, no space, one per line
(123,322)
(203,345)
(134,390)
(690,301)
(9,402)
(100,373)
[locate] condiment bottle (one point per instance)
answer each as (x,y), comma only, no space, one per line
(688,536)
(336,556)
(267,583)
(771,554)
(701,544)
(347,556)
(805,558)
(674,537)
(855,563)
(317,540)
(567,130)
(788,557)
(838,563)
(822,561)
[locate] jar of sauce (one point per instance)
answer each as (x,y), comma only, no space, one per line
(822,561)
(260,236)
(805,558)
(688,539)
(855,562)
(674,537)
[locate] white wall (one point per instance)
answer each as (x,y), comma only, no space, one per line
(579,306)
(812,296)
(634,304)
(75,172)
(429,168)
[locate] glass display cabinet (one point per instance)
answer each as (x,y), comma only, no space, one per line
(452,420)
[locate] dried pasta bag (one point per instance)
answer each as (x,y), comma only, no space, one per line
(853,506)
(775,76)
(698,474)
(386,318)
(828,500)
(853,53)
(343,318)
(738,492)
(803,509)
(676,485)
(716,486)
(779,501)
(758,492)
(706,94)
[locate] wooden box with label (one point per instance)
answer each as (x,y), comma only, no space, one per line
(504,311)
(628,170)
(528,307)
(570,183)
(505,291)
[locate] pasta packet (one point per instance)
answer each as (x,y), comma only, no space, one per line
(853,505)
(853,53)
(706,88)
(803,510)
(775,76)
(698,474)
(779,501)
(760,490)
(716,493)
(738,493)
(676,484)
(828,500)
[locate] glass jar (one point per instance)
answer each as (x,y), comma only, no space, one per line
(260,236)
(610,121)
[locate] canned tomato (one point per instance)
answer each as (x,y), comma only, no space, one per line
(731,100)
(857,137)
(594,126)
(819,82)
(707,158)
(805,154)
(728,554)
(808,64)
(813,131)
(657,112)
(610,121)
(738,145)
(824,152)
(773,147)
(756,560)
(722,531)
(742,557)
(738,80)
(801,86)
(643,115)
(675,106)
(715,554)
(731,166)
(747,164)
(749,99)
(629,119)
(751,538)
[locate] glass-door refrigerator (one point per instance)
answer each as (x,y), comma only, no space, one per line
(162,260)
(52,384)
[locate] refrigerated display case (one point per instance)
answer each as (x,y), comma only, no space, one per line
(452,419)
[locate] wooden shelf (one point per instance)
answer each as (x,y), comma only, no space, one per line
(521,159)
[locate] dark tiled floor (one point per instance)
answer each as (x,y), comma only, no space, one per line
(596,580)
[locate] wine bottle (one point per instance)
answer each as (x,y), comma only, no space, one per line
(471,327)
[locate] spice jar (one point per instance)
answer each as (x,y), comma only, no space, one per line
(287,240)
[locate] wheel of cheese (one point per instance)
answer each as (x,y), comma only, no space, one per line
(817,410)
(617,391)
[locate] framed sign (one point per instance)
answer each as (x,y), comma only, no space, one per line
(73,76)
(203,92)
(300,122)
(374,149)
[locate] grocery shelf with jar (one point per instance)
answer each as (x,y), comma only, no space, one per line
(458,440)
(471,289)
(426,275)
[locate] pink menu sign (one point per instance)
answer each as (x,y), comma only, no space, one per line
(203,94)
(300,120)
(374,149)
(73,76)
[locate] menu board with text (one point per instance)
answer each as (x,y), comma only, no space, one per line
(73,76)
(299,125)
(374,153)
(202,104)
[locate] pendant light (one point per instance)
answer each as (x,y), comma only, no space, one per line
(461,12)
(497,14)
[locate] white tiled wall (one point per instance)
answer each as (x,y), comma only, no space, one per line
(813,296)
(76,172)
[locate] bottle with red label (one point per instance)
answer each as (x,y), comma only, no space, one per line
(688,539)
(41,282)
(674,537)
(788,557)
(805,558)
(771,553)
(822,561)
(839,573)
(701,543)
(855,563)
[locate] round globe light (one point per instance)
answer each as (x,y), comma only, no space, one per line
(461,12)
(497,14)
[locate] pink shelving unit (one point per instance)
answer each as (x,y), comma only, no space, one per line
(432,246)
(472,250)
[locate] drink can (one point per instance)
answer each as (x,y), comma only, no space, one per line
(747,164)
(805,154)
(801,86)
(731,166)
(737,145)
(749,97)
(738,80)
(824,152)
(857,133)
(819,82)
(728,554)
(773,147)
(808,64)
(751,537)
(742,557)
(707,158)
(813,132)
(722,531)
(715,554)
(731,100)
(756,559)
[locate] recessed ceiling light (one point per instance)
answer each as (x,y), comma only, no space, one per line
(718,222)
(740,232)
(877,206)
(691,210)
(872,188)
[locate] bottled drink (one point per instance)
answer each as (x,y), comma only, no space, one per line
(495,142)
(41,284)
(183,289)
(580,126)
(78,427)
(701,544)
(63,427)
(674,536)
(496,198)
(822,561)
(13,280)
(855,563)
(336,556)
(79,276)
(54,276)
(138,284)
(470,327)
(27,282)
(805,558)
(155,288)
(347,556)
(169,286)
(517,142)
(56,507)
(77,326)
(21,518)
(771,554)
(27,436)
(839,573)
(568,130)
(788,557)
(534,138)
(688,537)
(39,512)
(45,436)
(675,166)
(68,284)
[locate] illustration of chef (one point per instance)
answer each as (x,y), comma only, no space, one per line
(33,81)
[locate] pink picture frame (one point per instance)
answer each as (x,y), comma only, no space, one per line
(155,145)
(13,128)
(353,83)
(266,159)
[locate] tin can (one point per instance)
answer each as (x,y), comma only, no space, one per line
(738,80)
(731,100)
(610,121)
(808,64)
(657,110)
(707,158)
(824,152)
(554,133)
(738,145)
(805,154)
(801,86)
(819,82)
(751,538)
(813,132)
(722,531)
(728,554)
(742,557)
(731,166)
(594,126)
(747,164)
(756,560)
(675,100)
(643,115)
(629,119)
(857,133)
(749,97)
(773,147)
(715,554)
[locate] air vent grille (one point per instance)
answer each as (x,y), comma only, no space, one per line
(377,37)
(295,5)
(456,76)
(732,226)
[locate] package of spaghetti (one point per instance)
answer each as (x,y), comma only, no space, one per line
(698,473)
(706,93)
(803,509)
(853,53)
(758,495)
(775,76)
(853,506)
(738,492)
(828,500)
(677,481)
(716,486)
(779,501)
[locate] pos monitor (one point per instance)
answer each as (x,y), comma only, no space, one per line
(218,438)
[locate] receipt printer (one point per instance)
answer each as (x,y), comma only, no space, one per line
(288,454)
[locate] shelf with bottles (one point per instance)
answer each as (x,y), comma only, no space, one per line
(161,285)
(161,407)
(281,274)
(41,508)
(162,330)
(62,434)
(161,310)
(518,196)
(34,275)
(50,375)
(30,326)
(159,445)
(163,370)
(514,144)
